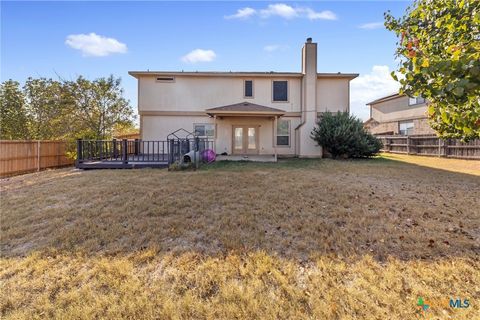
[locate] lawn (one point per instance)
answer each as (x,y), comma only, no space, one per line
(299,239)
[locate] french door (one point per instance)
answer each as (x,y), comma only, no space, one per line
(245,139)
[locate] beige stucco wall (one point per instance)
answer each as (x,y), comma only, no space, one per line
(397,109)
(158,127)
(197,93)
(333,95)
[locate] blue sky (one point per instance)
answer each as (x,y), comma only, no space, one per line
(96,39)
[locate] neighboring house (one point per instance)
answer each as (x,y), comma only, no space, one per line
(244,113)
(398,114)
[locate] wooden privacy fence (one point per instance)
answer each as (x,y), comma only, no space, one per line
(21,156)
(431,146)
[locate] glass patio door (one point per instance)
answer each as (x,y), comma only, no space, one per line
(245,139)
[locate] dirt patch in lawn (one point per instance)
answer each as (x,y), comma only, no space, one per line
(300,238)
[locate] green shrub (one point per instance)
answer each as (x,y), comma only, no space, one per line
(343,135)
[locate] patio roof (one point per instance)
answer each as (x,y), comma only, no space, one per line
(245,109)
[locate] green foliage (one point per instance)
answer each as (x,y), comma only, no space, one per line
(343,135)
(47,108)
(439,47)
(67,110)
(13,112)
(99,106)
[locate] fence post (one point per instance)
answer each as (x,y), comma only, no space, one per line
(115,150)
(79,151)
(439,147)
(171,151)
(38,155)
(195,150)
(125,151)
(408,144)
(137,147)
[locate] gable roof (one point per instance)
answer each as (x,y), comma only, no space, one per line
(370,120)
(244,108)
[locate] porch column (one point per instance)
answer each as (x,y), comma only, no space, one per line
(215,134)
(275,120)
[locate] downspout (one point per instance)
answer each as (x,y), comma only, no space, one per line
(297,140)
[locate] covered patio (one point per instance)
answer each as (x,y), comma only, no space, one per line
(245,131)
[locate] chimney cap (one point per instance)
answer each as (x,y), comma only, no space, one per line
(309,40)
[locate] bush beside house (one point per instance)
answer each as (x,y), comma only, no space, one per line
(343,135)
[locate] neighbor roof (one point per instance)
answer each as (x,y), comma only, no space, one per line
(244,108)
(136,74)
(386,98)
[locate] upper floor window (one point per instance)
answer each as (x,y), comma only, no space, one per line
(283,133)
(204,129)
(416,100)
(280,91)
(406,128)
(248,89)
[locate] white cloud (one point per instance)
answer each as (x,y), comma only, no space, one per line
(95,45)
(371,25)
(324,15)
(371,86)
(284,11)
(279,9)
(199,55)
(275,47)
(242,13)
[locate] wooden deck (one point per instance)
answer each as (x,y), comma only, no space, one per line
(133,161)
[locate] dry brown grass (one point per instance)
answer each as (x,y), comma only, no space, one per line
(298,239)
(457,165)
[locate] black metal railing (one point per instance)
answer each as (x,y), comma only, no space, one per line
(138,151)
(180,148)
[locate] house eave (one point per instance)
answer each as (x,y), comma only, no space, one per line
(244,114)
(385,98)
(137,74)
(349,76)
(267,74)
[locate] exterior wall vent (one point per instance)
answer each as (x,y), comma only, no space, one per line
(165,79)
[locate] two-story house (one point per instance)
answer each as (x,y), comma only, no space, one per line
(398,114)
(244,113)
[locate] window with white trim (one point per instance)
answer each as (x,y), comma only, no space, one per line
(283,132)
(405,128)
(280,91)
(204,130)
(248,89)
(416,100)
